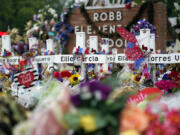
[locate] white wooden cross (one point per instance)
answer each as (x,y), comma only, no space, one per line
(6,43)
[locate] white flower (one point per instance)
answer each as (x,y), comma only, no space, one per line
(40,10)
(53,29)
(41,32)
(170,50)
(75,90)
(177,6)
(55,15)
(85,89)
(98,95)
(173,21)
(35,27)
(39,16)
(85,93)
(52,11)
(46,22)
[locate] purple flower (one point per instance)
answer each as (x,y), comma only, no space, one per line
(35,17)
(95,86)
(143,24)
(75,99)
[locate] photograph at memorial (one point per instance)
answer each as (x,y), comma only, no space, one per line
(90,67)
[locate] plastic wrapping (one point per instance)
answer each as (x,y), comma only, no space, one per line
(125,76)
(48,119)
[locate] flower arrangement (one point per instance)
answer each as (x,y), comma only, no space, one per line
(42,25)
(169,81)
(151,121)
(142,24)
(95,112)
(95,107)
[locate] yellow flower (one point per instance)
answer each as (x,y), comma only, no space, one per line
(136,78)
(87,122)
(74,79)
(129,132)
(93,75)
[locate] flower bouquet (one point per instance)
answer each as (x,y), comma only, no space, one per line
(155,119)
(94,111)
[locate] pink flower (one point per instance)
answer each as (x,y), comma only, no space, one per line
(158,128)
(166,85)
(173,117)
(56,74)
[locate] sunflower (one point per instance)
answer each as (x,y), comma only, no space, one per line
(136,78)
(74,79)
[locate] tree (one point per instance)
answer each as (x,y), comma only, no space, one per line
(14,13)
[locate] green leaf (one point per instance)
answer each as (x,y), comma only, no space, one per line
(138,1)
(111,120)
(111,81)
(100,121)
(118,104)
(73,120)
(174,90)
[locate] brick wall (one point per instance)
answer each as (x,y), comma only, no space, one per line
(160,22)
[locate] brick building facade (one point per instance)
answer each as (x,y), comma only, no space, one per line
(160,22)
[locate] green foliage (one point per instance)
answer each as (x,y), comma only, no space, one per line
(106,117)
(138,1)
(15,13)
(111,81)
(171,11)
(10,114)
(174,90)
(58,5)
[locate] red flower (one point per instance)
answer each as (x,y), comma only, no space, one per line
(93,51)
(174,76)
(22,64)
(87,51)
(174,117)
(153,117)
(156,128)
(8,53)
(77,49)
(128,5)
(56,75)
(65,74)
(51,53)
